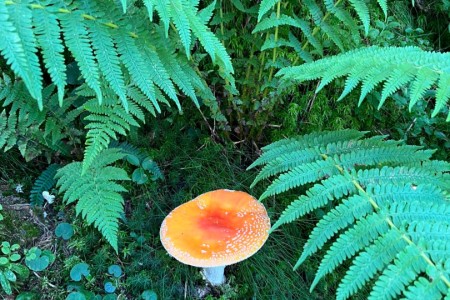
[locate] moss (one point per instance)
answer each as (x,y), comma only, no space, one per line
(16,228)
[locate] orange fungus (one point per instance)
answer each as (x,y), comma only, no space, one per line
(217,228)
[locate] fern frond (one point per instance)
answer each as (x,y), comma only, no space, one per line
(350,242)
(48,35)
(44,182)
(399,274)
(181,23)
(265,6)
(389,210)
(283,147)
(108,60)
(442,93)
(105,51)
(339,218)
(77,40)
(159,74)
(33,131)
(423,288)
(137,67)
(300,175)
(210,42)
(97,194)
(363,13)
(395,65)
(369,262)
(18,45)
(105,123)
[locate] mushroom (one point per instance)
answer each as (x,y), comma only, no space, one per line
(216,229)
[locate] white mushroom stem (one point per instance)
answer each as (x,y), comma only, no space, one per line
(215,275)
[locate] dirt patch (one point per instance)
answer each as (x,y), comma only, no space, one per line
(22,223)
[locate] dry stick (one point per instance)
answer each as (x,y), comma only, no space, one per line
(388,220)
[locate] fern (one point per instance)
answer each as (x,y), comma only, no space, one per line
(44,182)
(96,192)
(333,20)
(97,36)
(396,67)
(389,212)
(31,130)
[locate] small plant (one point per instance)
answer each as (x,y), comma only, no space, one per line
(82,270)
(38,260)
(64,231)
(10,268)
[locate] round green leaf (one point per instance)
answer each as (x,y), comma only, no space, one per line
(6,248)
(110,297)
(79,270)
(64,230)
(37,264)
(149,295)
(109,287)
(37,260)
(15,257)
(139,176)
(76,296)
(115,270)
(15,247)
(3,261)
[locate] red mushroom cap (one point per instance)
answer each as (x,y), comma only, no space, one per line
(217,228)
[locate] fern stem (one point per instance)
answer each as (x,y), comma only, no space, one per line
(274,56)
(389,221)
(247,73)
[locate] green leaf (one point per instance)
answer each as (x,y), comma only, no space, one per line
(9,275)
(139,176)
(64,230)
(4,260)
(133,159)
(37,260)
(44,182)
(76,296)
(22,271)
(5,284)
(109,287)
(6,250)
(15,257)
(115,270)
(79,270)
(27,296)
(149,295)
